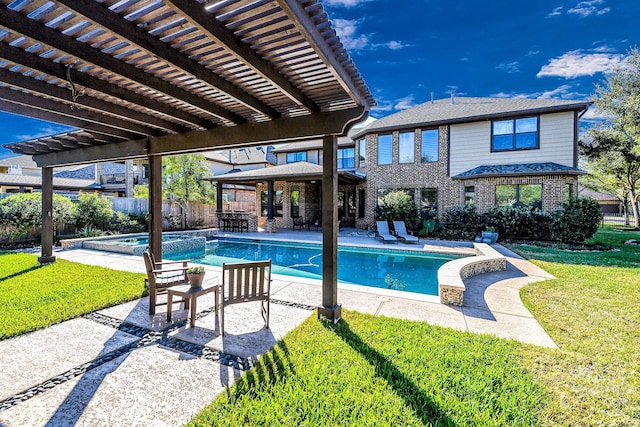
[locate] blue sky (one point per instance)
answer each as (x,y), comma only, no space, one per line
(406,50)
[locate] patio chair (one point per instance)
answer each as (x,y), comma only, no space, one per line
(162,275)
(245,282)
(402,234)
(384,233)
(299,222)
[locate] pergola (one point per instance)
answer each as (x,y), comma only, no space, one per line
(148,78)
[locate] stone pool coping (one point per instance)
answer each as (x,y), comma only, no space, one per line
(191,239)
(451,275)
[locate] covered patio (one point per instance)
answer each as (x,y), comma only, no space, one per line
(146,80)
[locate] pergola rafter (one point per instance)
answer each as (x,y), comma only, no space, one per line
(143,79)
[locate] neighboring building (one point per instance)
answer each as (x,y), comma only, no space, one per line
(448,152)
(609,203)
(487,151)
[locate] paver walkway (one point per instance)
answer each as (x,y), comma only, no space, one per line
(121,367)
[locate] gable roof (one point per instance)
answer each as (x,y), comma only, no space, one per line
(36,182)
(544,168)
(314,144)
(298,171)
(442,111)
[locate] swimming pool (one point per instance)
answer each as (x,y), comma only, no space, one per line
(412,271)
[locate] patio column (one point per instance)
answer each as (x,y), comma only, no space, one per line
(269,200)
(46,242)
(155,206)
(270,225)
(218,196)
(330,308)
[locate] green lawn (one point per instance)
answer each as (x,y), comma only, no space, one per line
(380,371)
(32,297)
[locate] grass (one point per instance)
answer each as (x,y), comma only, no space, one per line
(34,296)
(380,371)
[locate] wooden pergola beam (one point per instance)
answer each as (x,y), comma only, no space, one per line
(201,18)
(249,134)
(81,117)
(109,109)
(21,24)
(59,71)
(137,36)
(29,111)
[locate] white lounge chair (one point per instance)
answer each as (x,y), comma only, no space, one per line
(384,233)
(402,234)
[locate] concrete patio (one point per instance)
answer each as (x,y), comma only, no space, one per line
(121,367)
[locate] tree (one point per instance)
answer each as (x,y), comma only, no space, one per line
(614,146)
(183,180)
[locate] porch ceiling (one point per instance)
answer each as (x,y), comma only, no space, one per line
(141,77)
(291,172)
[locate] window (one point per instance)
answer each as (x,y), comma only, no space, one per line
(385,149)
(469,195)
(429,201)
(346,158)
(517,134)
(429,146)
(361,203)
(277,203)
(529,195)
(381,193)
(406,148)
(264,206)
(300,156)
(362,152)
(295,203)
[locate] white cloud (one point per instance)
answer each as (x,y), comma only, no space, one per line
(561,92)
(555,12)
(404,103)
(347,31)
(42,131)
(509,67)
(396,45)
(587,8)
(578,63)
(345,3)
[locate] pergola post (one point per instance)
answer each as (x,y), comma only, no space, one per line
(155,206)
(330,308)
(47,217)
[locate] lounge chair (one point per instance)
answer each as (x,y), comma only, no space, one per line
(244,282)
(402,234)
(384,233)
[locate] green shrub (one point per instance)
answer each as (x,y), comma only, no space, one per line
(519,222)
(122,222)
(398,206)
(462,222)
(94,211)
(577,221)
(21,214)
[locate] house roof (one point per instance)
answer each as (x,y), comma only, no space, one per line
(299,171)
(25,162)
(36,181)
(314,144)
(241,156)
(545,168)
(442,111)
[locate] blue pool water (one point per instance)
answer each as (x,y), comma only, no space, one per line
(390,269)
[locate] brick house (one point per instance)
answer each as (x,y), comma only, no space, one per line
(487,151)
(448,152)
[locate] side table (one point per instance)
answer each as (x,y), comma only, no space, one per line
(191,295)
